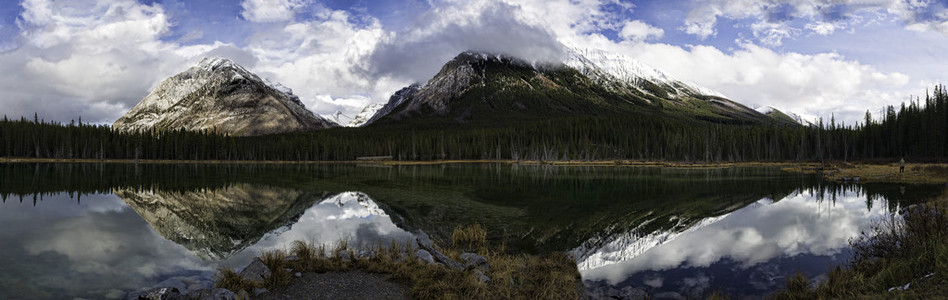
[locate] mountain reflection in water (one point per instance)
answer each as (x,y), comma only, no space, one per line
(108,246)
(747,252)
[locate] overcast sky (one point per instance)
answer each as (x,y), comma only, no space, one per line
(97,58)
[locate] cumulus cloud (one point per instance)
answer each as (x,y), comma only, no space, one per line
(322,59)
(487,26)
(86,58)
(810,85)
(772,34)
(638,31)
(823,28)
(270,10)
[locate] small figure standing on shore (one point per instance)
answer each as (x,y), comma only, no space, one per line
(902,165)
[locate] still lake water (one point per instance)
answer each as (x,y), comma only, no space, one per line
(109,230)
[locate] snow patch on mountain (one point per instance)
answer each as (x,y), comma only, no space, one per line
(339,118)
(599,64)
(799,119)
(358,204)
(365,115)
(765,110)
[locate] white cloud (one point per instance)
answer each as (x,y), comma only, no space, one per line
(810,85)
(270,10)
(323,61)
(772,34)
(84,58)
(823,28)
(418,53)
(638,31)
(703,16)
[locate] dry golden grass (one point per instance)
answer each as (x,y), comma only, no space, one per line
(914,173)
(552,276)
(229,279)
(471,238)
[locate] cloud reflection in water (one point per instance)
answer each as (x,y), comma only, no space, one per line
(752,237)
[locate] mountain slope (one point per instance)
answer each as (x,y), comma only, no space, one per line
(782,117)
(480,88)
(220,96)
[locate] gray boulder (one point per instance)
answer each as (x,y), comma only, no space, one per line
(426,244)
(472,261)
(425,256)
(481,277)
(256,271)
(174,283)
(163,293)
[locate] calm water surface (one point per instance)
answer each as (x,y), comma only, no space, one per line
(109,231)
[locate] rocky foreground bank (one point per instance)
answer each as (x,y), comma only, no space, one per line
(417,269)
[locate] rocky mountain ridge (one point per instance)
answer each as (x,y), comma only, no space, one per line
(484,87)
(220,96)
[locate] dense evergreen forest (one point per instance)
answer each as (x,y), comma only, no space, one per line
(918,130)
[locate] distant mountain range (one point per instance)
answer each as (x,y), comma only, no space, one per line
(360,119)
(473,89)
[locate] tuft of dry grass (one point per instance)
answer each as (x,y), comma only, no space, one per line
(276,261)
(469,238)
(229,279)
(521,276)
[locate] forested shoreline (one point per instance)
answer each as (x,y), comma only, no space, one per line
(918,130)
